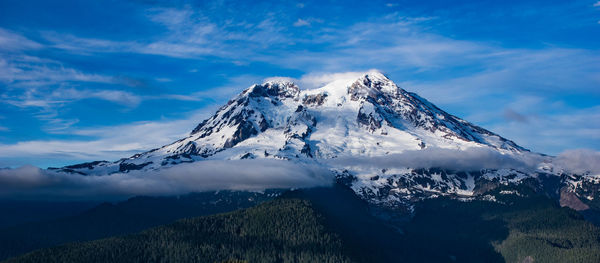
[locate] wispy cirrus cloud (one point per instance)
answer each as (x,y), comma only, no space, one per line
(474,79)
(220,93)
(60,96)
(553,132)
(46,104)
(114,141)
(512,115)
(48,86)
(104,142)
(189,34)
(12,41)
(28,71)
(394,42)
(301,22)
(510,72)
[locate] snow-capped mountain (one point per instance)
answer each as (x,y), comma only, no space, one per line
(368,116)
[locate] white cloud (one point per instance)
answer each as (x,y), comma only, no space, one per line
(560,128)
(391,42)
(170,17)
(121,97)
(512,115)
(234,86)
(27,71)
(189,34)
(13,41)
(280,79)
(470,159)
(579,161)
(316,80)
(47,103)
(104,143)
(403,46)
(301,22)
(252,175)
(57,97)
(259,174)
(109,142)
(170,48)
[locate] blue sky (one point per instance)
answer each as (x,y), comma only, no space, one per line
(101,80)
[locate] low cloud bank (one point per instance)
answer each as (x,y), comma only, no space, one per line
(29,182)
(252,175)
(579,161)
(454,159)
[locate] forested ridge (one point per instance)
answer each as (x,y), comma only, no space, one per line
(286,230)
(130,216)
(333,225)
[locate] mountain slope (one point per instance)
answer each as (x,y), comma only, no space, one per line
(367,116)
(364,117)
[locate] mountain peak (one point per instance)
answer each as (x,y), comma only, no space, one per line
(374,74)
(373,84)
(278,80)
(274,87)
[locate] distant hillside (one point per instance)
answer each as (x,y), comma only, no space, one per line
(286,230)
(130,216)
(333,225)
